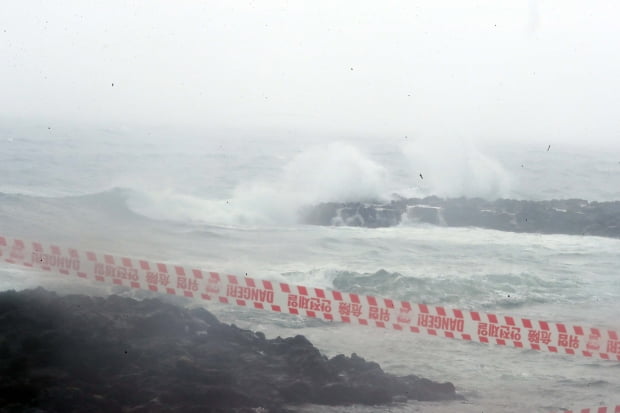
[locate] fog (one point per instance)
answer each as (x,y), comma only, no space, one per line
(537,70)
(458,155)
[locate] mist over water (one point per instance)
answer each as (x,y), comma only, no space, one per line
(305,175)
(252,183)
(454,168)
(338,172)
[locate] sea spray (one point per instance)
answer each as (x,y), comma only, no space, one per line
(455,167)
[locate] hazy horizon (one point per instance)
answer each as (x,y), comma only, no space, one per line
(531,71)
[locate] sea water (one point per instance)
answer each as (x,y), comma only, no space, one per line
(233,206)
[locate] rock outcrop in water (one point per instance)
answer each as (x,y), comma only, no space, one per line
(86,354)
(571,216)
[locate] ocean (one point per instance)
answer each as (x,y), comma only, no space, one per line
(232,205)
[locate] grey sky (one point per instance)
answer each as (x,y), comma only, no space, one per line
(488,69)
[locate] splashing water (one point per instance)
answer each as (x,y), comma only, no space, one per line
(455,168)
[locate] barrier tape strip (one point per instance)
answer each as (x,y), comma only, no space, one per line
(329,305)
(601,409)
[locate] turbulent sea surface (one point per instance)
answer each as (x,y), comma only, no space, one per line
(234,207)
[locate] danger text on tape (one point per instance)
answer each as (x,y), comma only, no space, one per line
(330,305)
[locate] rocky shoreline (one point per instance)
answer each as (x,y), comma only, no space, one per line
(570,216)
(77,353)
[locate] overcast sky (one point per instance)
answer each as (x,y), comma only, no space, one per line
(489,69)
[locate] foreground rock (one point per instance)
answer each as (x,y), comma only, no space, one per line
(79,353)
(572,216)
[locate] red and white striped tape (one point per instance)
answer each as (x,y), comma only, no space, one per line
(330,305)
(600,409)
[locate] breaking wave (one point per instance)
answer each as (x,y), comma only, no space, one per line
(481,291)
(328,172)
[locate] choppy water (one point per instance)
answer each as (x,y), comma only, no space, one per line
(231,206)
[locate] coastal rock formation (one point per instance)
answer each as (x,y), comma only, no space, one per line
(80,353)
(571,216)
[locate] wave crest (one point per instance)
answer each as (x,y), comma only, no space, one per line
(330,172)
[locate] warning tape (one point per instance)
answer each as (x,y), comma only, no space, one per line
(329,305)
(600,409)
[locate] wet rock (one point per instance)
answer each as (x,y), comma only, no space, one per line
(340,393)
(568,216)
(77,353)
(297,392)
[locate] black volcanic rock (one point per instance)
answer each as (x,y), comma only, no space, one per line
(79,353)
(569,216)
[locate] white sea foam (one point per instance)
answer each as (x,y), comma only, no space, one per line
(329,172)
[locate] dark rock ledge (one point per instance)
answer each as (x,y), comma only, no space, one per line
(567,216)
(90,354)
